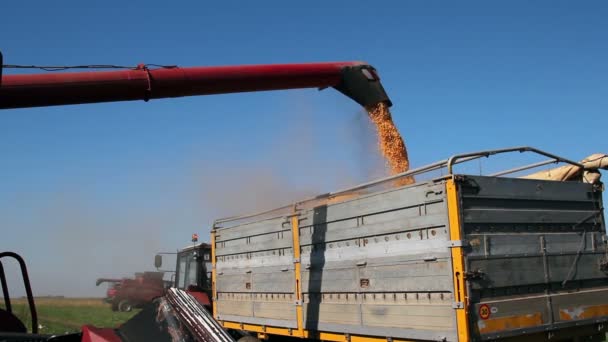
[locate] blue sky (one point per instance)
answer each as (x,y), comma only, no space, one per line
(95,190)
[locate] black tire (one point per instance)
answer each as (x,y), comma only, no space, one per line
(248,339)
(114,306)
(125,306)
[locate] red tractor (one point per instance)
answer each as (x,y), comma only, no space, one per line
(128,293)
(193,271)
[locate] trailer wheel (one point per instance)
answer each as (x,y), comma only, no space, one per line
(125,306)
(248,339)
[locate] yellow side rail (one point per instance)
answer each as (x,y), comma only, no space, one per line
(213,275)
(297,262)
(458,269)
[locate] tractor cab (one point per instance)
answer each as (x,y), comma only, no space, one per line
(193,267)
(193,270)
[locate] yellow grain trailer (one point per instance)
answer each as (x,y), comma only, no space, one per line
(453,258)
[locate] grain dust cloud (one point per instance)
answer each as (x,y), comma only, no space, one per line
(390,142)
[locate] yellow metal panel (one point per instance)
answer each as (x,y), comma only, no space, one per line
(324,336)
(509,323)
(266,330)
(583,312)
(460,294)
(295,233)
(213,275)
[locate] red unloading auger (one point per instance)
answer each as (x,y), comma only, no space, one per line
(357,80)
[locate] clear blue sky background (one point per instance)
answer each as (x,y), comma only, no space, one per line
(96,190)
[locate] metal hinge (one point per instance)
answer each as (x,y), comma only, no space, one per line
(598,187)
(457,243)
(457,305)
(434,192)
(474,274)
(604,265)
(262,336)
(296,260)
(298,302)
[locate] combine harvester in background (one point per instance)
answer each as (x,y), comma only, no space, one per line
(357,80)
(127,293)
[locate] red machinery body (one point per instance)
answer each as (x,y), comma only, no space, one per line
(94,334)
(124,294)
(357,80)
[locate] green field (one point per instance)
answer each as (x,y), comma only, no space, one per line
(61,315)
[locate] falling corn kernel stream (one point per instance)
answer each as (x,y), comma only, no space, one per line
(390,142)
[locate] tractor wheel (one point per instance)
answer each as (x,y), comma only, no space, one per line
(248,339)
(125,306)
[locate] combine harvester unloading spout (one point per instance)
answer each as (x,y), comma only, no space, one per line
(357,80)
